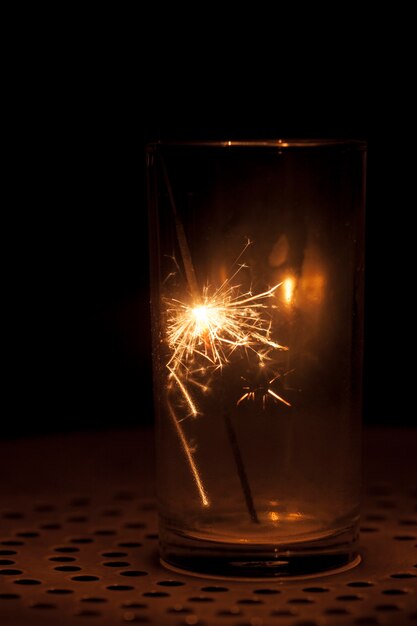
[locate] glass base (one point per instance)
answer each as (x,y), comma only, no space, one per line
(334,553)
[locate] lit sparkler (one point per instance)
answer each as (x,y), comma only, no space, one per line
(202,336)
(214,327)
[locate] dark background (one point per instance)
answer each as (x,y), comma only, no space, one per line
(76,266)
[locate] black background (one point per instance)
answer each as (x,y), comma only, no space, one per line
(75,225)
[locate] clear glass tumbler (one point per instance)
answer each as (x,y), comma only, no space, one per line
(257,298)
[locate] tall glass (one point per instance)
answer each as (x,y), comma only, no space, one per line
(257,297)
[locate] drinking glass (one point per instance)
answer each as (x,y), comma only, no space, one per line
(257,314)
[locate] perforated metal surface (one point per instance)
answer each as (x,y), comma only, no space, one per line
(89,555)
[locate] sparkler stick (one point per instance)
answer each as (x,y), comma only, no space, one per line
(240,468)
(182,241)
(190,458)
(192,283)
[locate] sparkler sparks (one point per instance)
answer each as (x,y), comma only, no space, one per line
(215,327)
(264,391)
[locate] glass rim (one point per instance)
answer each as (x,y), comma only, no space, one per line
(280,144)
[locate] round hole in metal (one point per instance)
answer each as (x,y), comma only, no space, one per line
(135,525)
(111,512)
(376,517)
(9,596)
(404,537)
(13,515)
(84,578)
(7,562)
(134,605)
(408,522)
(336,611)
(360,583)
(152,536)
(394,592)
(94,599)
(266,592)
(283,613)
(51,526)
(27,581)
(124,496)
(43,508)
(87,613)
(250,601)
(366,621)
(214,589)
(81,501)
(116,563)
(369,529)
(134,573)
(201,599)
(7,552)
(59,592)
(233,612)
(349,598)
(66,549)
(387,607)
(10,572)
(113,555)
(43,605)
(27,534)
(11,542)
(403,575)
(67,568)
(147,506)
(130,544)
(119,587)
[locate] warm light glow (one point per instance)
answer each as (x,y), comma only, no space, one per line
(206,319)
(273,516)
(288,286)
(200,313)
